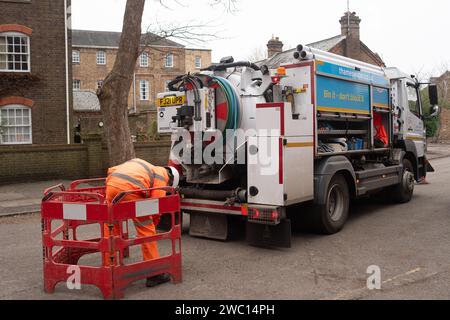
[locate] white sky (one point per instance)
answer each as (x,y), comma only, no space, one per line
(410,34)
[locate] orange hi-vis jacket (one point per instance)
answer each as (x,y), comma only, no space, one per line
(137,174)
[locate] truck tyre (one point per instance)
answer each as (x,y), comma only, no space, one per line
(403,192)
(330,217)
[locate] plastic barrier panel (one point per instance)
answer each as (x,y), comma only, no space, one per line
(76,207)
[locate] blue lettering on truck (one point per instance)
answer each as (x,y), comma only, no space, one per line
(331,69)
(336,95)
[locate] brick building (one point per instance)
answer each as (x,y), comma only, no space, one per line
(443,84)
(347,43)
(161,60)
(35,88)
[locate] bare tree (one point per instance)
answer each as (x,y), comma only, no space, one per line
(258,54)
(113,95)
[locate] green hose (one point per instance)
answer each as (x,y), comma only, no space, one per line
(233,102)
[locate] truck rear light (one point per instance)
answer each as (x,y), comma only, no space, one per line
(266,215)
(274,214)
(276,80)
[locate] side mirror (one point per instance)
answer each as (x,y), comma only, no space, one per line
(433,94)
(434,112)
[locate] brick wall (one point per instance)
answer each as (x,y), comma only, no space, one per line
(143,124)
(44,162)
(47,42)
(444,131)
(352,46)
(33,163)
(88,72)
(191,54)
(362,55)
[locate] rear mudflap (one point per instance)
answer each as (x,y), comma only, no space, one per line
(269,235)
(212,226)
(429,166)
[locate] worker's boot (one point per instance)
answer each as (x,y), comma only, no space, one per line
(156,280)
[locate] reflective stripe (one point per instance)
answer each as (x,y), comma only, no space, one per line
(149,171)
(157,176)
(143,223)
(129,179)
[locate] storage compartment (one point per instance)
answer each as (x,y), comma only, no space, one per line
(338,132)
(341,132)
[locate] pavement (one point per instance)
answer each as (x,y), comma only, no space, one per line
(409,243)
(24,198)
(438,150)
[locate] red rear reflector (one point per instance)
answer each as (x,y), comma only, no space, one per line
(274,214)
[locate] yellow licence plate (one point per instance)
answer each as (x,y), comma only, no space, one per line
(171,101)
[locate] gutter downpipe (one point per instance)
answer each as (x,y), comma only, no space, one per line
(67,73)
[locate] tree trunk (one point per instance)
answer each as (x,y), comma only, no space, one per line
(114,93)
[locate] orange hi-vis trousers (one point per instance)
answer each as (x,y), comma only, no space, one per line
(145,227)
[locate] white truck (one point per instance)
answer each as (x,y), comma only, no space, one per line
(311,128)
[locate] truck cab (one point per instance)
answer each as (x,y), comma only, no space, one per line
(409,115)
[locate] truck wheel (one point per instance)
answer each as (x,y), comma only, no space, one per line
(330,217)
(403,192)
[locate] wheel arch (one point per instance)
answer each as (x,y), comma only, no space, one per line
(325,169)
(411,154)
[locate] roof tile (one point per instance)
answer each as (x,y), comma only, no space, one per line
(110,39)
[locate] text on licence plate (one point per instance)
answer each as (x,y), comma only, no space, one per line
(171,101)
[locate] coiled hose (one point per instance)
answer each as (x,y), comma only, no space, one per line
(233,102)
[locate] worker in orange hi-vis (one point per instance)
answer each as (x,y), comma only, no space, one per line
(138,174)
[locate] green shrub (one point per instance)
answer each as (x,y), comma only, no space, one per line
(432,126)
(152,131)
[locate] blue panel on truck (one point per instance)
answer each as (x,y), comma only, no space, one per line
(336,95)
(331,69)
(380,97)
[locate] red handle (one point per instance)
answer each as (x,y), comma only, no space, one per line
(51,195)
(60,186)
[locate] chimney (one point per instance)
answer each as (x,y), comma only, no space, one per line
(350,28)
(274,46)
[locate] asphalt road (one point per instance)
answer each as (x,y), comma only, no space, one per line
(410,243)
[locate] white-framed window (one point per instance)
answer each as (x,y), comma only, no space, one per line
(169,60)
(76,84)
(101,57)
(143,61)
(14,52)
(15,124)
(99,84)
(198,62)
(144,88)
(75,56)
